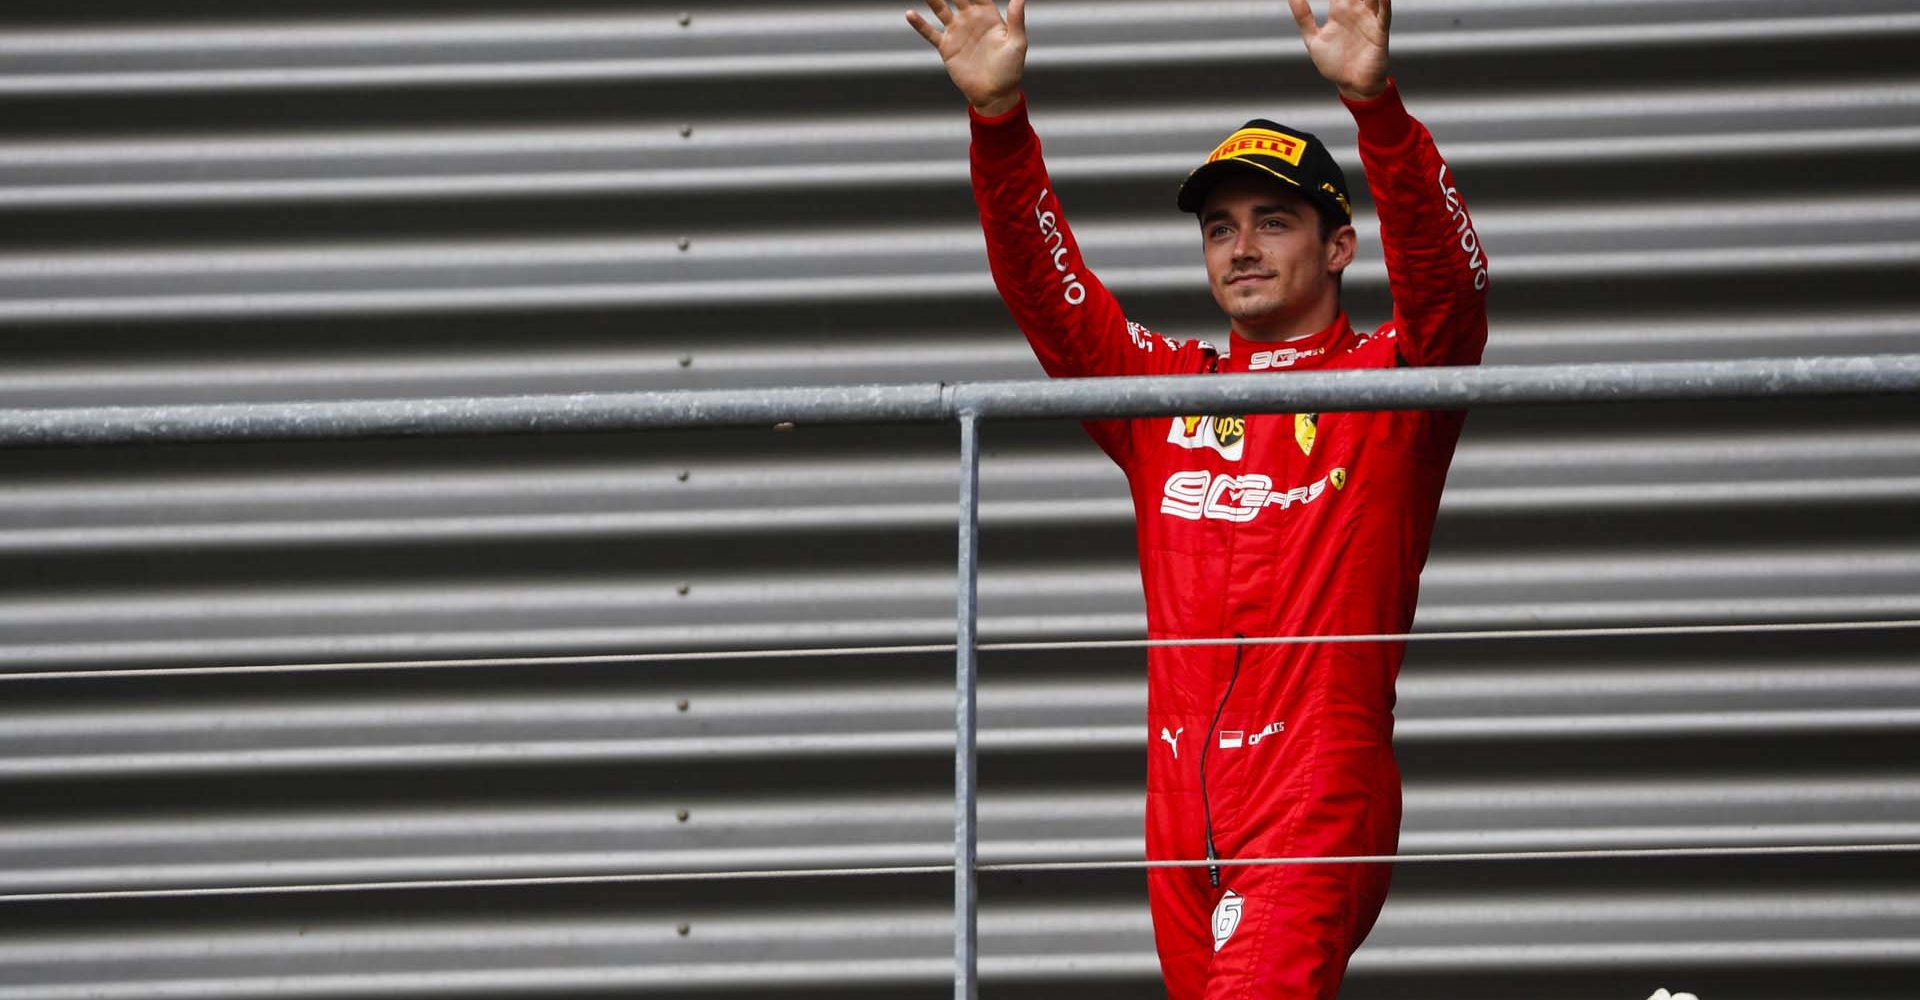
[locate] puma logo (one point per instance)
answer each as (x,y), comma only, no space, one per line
(1173,739)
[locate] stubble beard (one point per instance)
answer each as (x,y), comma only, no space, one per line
(1253,308)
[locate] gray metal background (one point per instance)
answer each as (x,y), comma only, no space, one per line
(318,200)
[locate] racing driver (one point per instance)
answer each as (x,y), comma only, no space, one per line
(1254,525)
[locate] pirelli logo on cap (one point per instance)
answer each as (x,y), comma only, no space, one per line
(1261,142)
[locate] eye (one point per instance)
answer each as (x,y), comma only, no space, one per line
(1217,232)
(1273,223)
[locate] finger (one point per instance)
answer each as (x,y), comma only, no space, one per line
(1373,12)
(1017,19)
(927,31)
(1303,16)
(941,11)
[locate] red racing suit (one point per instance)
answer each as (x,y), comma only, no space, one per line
(1265,525)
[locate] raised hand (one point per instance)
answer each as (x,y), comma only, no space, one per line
(1350,50)
(986,55)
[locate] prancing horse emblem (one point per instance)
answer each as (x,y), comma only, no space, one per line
(1173,739)
(1306,427)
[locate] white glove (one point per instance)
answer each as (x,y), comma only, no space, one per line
(1662,994)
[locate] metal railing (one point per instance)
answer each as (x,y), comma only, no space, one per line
(969,404)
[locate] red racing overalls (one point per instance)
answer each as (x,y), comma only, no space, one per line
(1265,525)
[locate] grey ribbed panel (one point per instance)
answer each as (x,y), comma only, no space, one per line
(348,199)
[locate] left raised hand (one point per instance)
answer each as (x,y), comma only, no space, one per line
(1350,50)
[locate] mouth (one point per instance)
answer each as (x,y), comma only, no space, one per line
(1242,279)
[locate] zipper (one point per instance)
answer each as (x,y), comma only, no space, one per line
(1206,806)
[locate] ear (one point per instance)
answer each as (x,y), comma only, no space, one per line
(1340,249)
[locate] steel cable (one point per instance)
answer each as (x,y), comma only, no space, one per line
(1009,867)
(1597,854)
(809,652)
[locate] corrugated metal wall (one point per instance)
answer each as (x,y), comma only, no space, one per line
(340,198)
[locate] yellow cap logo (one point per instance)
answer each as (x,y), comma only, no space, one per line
(1335,194)
(1261,142)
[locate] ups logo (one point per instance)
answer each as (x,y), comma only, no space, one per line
(1230,430)
(1224,434)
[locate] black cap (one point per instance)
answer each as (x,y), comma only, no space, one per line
(1299,159)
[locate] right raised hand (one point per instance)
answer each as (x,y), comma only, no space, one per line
(1350,50)
(985,54)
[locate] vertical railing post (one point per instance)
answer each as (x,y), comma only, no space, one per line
(965,923)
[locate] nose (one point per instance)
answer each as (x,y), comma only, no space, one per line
(1243,244)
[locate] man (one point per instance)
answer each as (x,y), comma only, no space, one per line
(1257,524)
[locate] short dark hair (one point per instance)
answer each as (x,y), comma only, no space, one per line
(1328,223)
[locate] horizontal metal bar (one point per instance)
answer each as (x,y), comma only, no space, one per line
(1474,857)
(1394,389)
(821,652)
(1445,388)
(471,415)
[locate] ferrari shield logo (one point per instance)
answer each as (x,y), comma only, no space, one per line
(1338,478)
(1305,427)
(1226,918)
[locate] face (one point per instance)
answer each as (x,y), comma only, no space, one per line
(1267,266)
